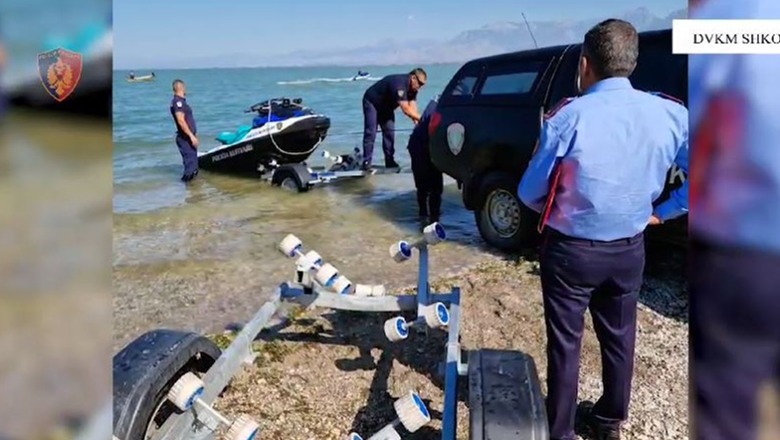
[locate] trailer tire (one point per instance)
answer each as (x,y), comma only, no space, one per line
(292,177)
(146,369)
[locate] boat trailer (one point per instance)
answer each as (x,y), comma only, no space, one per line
(299,177)
(187,372)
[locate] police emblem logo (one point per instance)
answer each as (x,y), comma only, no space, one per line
(455,136)
(60,72)
(178,104)
(400,93)
(279,125)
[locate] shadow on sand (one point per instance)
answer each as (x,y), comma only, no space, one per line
(421,352)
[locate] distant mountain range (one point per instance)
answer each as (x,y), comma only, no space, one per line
(490,39)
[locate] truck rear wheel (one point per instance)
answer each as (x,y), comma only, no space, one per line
(502,219)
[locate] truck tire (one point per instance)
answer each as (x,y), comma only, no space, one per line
(503,221)
(146,369)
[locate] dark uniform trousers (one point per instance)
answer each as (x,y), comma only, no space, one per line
(385,119)
(429,182)
(189,155)
(735,337)
(604,277)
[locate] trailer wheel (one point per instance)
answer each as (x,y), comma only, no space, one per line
(292,177)
(145,371)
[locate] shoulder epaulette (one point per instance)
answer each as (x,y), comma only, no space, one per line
(669,97)
(557,107)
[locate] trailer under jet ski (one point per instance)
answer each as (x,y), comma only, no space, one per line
(300,177)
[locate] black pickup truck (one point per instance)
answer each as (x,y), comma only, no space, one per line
(499,101)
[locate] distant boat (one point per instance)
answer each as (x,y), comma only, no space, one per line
(361,75)
(145,78)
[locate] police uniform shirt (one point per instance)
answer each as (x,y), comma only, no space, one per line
(614,146)
(389,91)
(179,104)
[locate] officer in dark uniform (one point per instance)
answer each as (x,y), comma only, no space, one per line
(379,104)
(602,161)
(428,180)
(185,130)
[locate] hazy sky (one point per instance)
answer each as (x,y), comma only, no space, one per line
(155,29)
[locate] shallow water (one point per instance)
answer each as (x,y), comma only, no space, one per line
(212,259)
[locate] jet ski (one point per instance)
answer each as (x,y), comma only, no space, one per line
(143,78)
(283,132)
(361,75)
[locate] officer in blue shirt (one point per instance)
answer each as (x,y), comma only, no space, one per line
(428,180)
(185,130)
(734,284)
(379,104)
(601,162)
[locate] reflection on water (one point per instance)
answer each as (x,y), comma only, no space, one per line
(204,255)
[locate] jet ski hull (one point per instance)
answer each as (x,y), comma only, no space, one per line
(283,142)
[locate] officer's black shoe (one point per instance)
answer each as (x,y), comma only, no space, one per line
(391,163)
(365,166)
(587,423)
(601,432)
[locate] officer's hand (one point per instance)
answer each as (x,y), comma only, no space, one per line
(195,141)
(654,220)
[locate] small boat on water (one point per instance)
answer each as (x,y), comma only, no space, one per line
(283,132)
(361,75)
(145,78)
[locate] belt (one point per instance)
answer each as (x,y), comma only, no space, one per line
(552,233)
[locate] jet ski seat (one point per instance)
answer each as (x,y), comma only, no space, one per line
(229,137)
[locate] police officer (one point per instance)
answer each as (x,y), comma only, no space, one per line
(428,180)
(735,244)
(601,162)
(185,130)
(379,104)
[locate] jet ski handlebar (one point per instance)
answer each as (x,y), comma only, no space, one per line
(279,102)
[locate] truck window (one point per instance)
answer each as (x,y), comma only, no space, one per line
(509,83)
(465,86)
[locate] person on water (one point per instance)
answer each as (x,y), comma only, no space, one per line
(132,75)
(185,130)
(379,104)
(428,180)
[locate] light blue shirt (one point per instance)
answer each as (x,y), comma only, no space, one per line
(615,145)
(741,204)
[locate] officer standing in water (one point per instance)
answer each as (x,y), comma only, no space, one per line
(606,155)
(428,180)
(185,130)
(379,104)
